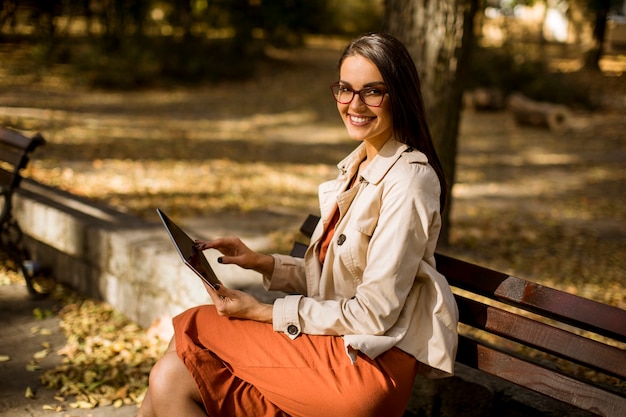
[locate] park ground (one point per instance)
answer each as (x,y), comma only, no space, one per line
(545,206)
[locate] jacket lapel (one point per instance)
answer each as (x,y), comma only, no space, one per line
(388,155)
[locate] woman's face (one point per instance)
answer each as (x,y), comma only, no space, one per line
(365,123)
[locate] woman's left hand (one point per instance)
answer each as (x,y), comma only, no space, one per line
(239,304)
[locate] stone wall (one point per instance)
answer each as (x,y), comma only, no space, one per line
(112,256)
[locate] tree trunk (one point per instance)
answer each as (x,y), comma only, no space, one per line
(439,35)
(601,9)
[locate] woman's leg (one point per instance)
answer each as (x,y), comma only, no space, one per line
(172,392)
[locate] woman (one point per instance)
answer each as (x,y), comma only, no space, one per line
(369,310)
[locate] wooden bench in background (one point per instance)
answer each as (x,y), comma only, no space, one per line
(555,343)
(15,150)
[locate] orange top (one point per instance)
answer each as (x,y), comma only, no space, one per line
(329,233)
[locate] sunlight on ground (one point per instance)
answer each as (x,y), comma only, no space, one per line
(209,187)
(613,65)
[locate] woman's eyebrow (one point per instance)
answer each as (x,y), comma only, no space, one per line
(370,84)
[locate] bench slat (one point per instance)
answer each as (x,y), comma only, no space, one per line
(298,250)
(537,378)
(567,308)
(309,225)
(599,356)
(12,156)
(14,150)
(8,180)
(16,139)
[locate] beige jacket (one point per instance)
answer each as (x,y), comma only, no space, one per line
(378,287)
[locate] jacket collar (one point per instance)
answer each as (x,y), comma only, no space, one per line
(388,155)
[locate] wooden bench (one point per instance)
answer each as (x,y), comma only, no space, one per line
(558,344)
(15,149)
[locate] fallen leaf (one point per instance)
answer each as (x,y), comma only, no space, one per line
(33,367)
(41,354)
(41,314)
(82,404)
(5,358)
(29,393)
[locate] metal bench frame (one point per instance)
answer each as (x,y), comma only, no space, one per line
(15,149)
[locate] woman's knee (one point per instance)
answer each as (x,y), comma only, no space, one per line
(172,390)
(160,372)
(166,372)
(170,376)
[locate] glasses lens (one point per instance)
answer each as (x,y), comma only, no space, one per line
(342,94)
(372,96)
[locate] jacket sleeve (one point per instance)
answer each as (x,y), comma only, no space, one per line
(407,222)
(288,275)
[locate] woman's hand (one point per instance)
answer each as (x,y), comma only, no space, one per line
(234,303)
(237,253)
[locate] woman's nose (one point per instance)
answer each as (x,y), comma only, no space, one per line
(356,102)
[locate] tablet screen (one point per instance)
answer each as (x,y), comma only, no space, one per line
(187,250)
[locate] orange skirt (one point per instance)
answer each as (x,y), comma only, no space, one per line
(245,368)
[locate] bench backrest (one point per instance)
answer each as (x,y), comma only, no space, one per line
(559,344)
(14,151)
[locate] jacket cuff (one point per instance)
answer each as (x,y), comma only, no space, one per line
(285,316)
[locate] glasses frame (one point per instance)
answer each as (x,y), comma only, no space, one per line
(359,93)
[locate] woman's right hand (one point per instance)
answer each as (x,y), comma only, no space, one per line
(236,252)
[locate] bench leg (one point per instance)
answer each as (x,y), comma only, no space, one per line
(32,275)
(38,285)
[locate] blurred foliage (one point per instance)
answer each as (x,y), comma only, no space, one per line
(572,89)
(510,69)
(149,62)
(137,43)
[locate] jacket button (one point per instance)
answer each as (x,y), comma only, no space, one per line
(292,329)
(341,239)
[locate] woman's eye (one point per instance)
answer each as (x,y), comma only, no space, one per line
(374,92)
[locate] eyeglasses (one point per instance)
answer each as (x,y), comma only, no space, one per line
(371,96)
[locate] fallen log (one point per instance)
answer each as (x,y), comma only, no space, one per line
(538,113)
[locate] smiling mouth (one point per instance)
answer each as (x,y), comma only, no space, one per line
(360,119)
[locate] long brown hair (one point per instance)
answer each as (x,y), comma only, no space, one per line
(403,83)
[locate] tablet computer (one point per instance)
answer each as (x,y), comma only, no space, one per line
(186,248)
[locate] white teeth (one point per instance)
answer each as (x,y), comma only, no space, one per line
(359,119)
